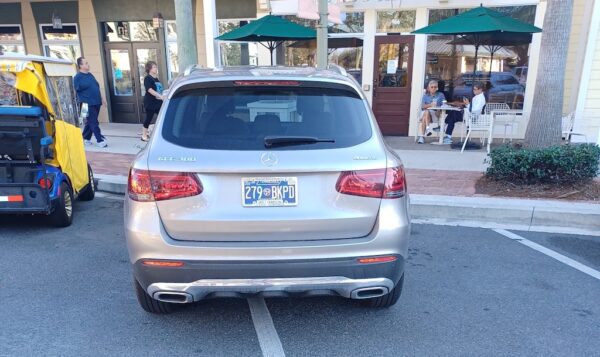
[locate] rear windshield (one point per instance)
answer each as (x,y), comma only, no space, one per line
(240,117)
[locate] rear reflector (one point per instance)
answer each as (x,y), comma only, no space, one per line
(14,198)
(45,183)
(146,186)
(266,83)
(162,263)
(378,183)
(385,259)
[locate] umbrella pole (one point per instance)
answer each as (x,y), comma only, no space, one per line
(474,71)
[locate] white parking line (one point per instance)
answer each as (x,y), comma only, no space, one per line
(265,330)
(561,258)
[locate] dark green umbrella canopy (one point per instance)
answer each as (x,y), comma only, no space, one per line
(478,21)
(269,28)
(483,27)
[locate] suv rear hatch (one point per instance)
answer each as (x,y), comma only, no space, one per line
(269,159)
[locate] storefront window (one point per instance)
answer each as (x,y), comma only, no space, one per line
(396,21)
(133,31)
(504,72)
(236,53)
(172,58)
(352,22)
(61,43)
(11,39)
(350,59)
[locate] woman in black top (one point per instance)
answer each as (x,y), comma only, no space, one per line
(153,98)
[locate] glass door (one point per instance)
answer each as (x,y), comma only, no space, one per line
(122,83)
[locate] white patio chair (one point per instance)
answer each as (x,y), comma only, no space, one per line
(568,121)
(490,107)
(482,123)
(508,119)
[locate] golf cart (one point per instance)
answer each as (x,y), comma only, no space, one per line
(43,167)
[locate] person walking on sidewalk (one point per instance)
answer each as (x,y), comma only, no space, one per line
(88,93)
(153,98)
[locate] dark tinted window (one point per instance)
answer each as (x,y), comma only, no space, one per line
(239,118)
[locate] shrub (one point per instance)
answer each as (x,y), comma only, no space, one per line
(557,164)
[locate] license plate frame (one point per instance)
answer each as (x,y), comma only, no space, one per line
(269,191)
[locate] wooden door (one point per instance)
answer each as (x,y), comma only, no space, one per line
(392,77)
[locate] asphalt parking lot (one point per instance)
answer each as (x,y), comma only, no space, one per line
(468,291)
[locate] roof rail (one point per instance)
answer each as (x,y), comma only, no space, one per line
(192,68)
(335,68)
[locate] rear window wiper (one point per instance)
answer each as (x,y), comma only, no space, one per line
(271,141)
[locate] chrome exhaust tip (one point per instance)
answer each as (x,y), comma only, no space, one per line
(368,293)
(173,297)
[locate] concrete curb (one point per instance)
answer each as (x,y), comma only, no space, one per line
(527,214)
(111,183)
(489,212)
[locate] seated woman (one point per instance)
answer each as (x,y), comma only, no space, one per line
(431,98)
(476,107)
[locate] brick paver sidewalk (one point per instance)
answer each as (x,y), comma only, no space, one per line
(429,182)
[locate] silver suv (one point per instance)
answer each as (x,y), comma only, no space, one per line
(271,181)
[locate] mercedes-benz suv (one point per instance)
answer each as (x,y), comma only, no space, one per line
(266,180)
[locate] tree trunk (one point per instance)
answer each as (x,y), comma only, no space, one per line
(186,40)
(544,128)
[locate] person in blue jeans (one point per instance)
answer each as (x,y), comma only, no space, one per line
(88,91)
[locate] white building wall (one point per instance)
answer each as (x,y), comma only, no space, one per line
(587,113)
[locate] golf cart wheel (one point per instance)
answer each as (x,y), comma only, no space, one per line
(148,303)
(63,209)
(388,299)
(89,191)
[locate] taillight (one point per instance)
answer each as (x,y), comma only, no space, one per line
(148,186)
(378,183)
(45,183)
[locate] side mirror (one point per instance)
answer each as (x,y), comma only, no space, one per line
(46,141)
(165,92)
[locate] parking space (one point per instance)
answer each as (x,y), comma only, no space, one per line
(467,292)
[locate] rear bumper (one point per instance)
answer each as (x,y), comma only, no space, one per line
(24,198)
(200,280)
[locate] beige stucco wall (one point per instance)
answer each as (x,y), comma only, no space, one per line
(30,30)
(90,46)
(200,33)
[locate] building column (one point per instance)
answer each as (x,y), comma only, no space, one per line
(186,43)
(207,29)
(418,70)
(90,48)
(369,53)
(30,30)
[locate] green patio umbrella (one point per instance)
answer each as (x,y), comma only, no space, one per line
(481,27)
(271,31)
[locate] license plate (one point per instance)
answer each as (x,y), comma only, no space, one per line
(269,191)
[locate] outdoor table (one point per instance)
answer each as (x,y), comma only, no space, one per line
(442,119)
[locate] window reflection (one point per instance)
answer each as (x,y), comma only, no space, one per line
(396,21)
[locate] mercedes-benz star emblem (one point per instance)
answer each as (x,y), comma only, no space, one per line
(269,159)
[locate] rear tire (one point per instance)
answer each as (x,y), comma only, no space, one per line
(63,209)
(388,299)
(90,190)
(149,304)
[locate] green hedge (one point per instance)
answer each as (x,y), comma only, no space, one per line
(557,164)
